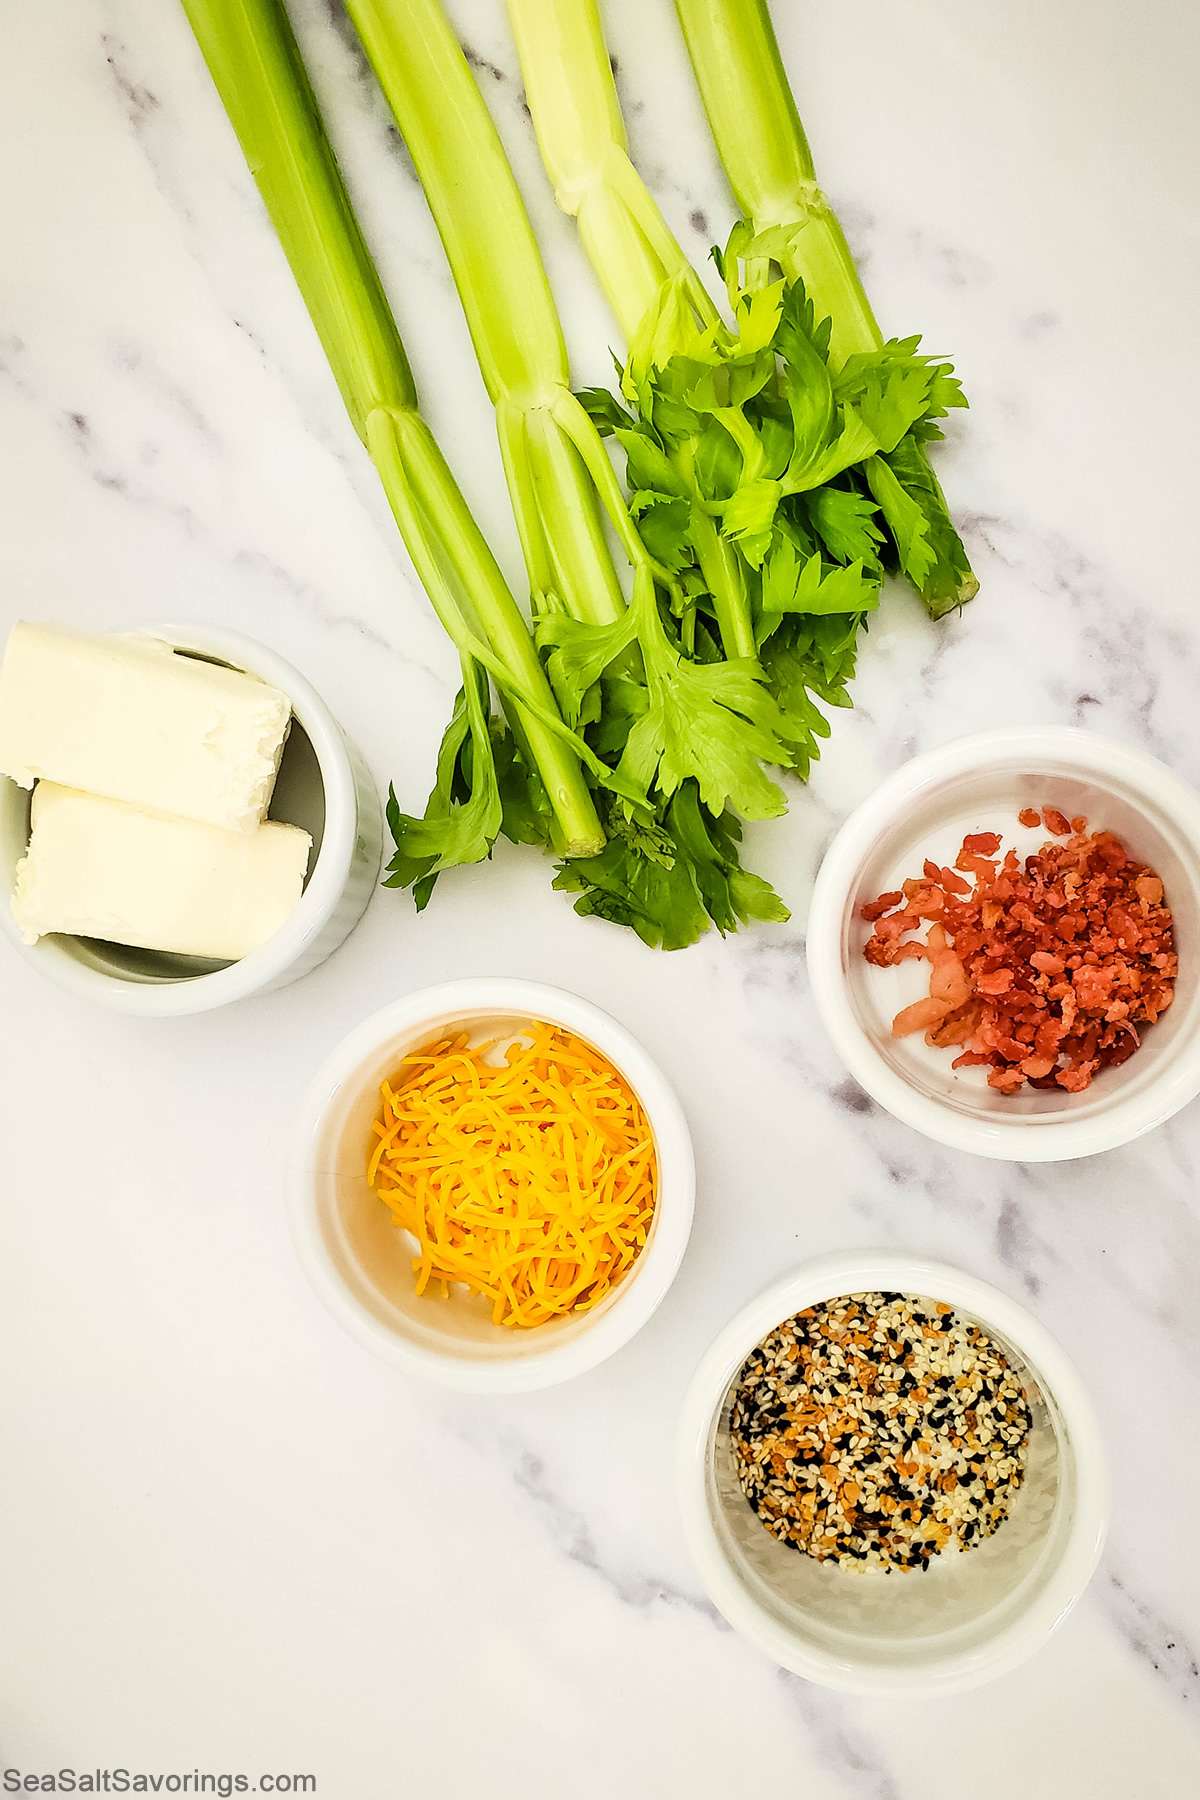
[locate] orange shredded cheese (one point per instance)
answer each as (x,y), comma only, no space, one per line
(530,1180)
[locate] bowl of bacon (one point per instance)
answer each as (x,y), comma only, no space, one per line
(1002,944)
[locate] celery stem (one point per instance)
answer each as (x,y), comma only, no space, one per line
(723,577)
(761,141)
(581,134)
(451,556)
(501,281)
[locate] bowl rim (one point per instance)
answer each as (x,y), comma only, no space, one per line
(263,967)
(866,1271)
(634,1301)
(1046,1139)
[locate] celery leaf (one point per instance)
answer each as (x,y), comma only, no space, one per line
(464,812)
(844,521)
(670,881)
(810,586)
(715,722)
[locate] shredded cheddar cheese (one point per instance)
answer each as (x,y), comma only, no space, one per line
(530,1180)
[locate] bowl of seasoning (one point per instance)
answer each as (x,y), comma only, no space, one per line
(1003,943)
(183,822)
(891,1476)
(492,1185)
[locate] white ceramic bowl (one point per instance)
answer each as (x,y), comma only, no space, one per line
(323,785)
(968,1617)
(925,809)
(360,1264)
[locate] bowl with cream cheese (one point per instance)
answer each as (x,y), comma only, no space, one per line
(182,821)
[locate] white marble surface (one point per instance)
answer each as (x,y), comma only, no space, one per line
(229,1539)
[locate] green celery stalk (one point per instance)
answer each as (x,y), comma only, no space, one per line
(633,252)
(766,155)
(255,63)
(502,283)
(581,134)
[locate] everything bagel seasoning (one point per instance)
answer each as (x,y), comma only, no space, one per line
(877,1430)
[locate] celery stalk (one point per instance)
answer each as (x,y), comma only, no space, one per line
(255,63)
(766,155)
(502,283)
(633,252)
(767,158)
(581,134)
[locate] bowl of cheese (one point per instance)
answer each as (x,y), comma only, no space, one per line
(492,1185)
(182,821)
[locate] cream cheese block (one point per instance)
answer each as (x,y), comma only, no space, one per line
(101,869)
(132,719)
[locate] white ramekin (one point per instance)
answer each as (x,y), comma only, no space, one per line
(925,808)
(969,1617)
(360,1264)
(323,785)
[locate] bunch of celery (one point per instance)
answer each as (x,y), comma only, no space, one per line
(771,472)
(684,736)
(525,780)
(760,518)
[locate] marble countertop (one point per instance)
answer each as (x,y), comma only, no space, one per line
(229,1538)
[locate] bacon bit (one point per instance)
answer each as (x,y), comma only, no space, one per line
(959,1028)
(950,982)
(1029,818)
(1040,972)
(971,864)
(982,843)
(876,908)
(1075,1080)
(919,1016)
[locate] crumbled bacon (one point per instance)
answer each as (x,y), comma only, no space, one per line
(1041,972)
